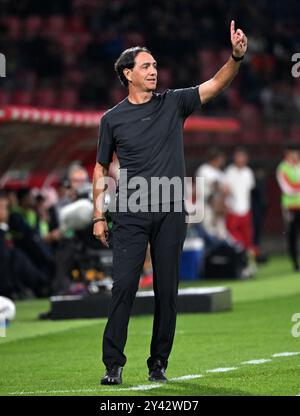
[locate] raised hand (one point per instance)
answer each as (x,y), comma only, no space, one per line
(238,40)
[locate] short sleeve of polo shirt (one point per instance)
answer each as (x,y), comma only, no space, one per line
(106,142)
(187,100)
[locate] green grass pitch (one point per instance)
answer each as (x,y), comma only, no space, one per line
(64,357)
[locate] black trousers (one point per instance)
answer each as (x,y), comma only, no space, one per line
(292,220)
(165,231)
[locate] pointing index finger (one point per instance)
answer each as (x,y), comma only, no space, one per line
(232,29)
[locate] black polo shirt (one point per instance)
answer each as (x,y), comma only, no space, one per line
(148,137)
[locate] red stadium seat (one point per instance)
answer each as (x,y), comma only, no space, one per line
(233,98)
(32,25)
(4,98)
(251,136)
(134,38)
(82,41)
(250,116)
(45,97)
(75,24)
(295,133)
(54,26)
(22,97)
(207,57)
(68,99)
(252,127)
(67,41)
(74,76)
(13,25)
(224,54)
(274,134)
(225,139)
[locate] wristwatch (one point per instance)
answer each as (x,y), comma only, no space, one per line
(237,58)
(97,219)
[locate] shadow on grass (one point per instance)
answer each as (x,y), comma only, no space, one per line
(186,389)
(182,389)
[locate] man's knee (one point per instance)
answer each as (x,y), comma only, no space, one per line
(125,285)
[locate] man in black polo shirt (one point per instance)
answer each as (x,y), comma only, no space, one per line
(145,131)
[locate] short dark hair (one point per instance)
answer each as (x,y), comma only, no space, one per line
(291,148)
(127,60)
(213,153)
(241,149)
(23,193)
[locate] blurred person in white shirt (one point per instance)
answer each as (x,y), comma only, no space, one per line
(240,181)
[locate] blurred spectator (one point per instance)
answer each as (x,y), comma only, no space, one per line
(218,241)
(24,226)
(75,186)
(212,173)
(42,215)
(213,230)
(79,180)
(19,278)
(68,190)
(288,175)
(240,181)
(214,217)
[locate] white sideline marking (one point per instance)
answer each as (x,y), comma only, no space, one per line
(142,387)
(262,361)
(222,370)
(152,386)
(21,393)
(285,354)
(192,376)
(116,389)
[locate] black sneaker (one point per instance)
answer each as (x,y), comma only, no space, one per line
(113,375)
(157,372)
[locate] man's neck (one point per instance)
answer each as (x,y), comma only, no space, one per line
(139,97)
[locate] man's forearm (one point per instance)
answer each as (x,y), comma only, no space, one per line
(226,74)
(220,81)
(100,172)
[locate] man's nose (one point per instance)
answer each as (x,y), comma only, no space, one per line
(153,70)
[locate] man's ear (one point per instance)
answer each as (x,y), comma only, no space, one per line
(127,72)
